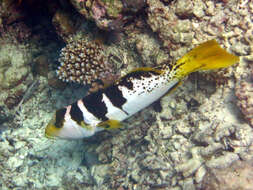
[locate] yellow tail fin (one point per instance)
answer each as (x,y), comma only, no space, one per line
(206,56)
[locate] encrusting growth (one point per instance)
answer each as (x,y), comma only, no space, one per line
(83,62)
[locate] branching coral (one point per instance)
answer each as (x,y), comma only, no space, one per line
(83,62)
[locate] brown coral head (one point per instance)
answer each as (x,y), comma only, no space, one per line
(82,62)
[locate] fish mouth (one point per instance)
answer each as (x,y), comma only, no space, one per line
(50,136)
(51,130)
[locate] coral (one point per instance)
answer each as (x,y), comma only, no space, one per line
(83,62)
(15,54)
(244,93)
(41,65)
(14,65)
(15,72)
(238,176)
(244,74)
(63,24)
(54,82)
(149,50)
(12,27)
(15,33)
(5,118)
(10,12)
(19,42)
(13,99)
(183,23)
(109,14)
(171,30)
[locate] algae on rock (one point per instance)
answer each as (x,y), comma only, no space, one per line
(14,65)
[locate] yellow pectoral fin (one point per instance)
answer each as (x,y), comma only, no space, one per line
(110,124)
(51,131)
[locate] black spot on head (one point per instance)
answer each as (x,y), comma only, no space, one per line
(59,118)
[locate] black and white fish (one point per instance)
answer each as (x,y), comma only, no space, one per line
(107,107)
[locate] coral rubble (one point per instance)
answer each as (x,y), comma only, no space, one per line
(237,176)
(15,72)
(244,93)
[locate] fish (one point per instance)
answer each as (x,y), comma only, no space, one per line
(106,108)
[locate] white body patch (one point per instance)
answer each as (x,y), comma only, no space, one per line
(112,111)
(72,130)
(145,92)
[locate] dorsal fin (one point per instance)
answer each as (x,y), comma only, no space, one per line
(146,69)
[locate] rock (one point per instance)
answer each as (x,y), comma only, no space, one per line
(14,162)
(238,176)
(184,9)
(63,24)
(41,65)
(109,15)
